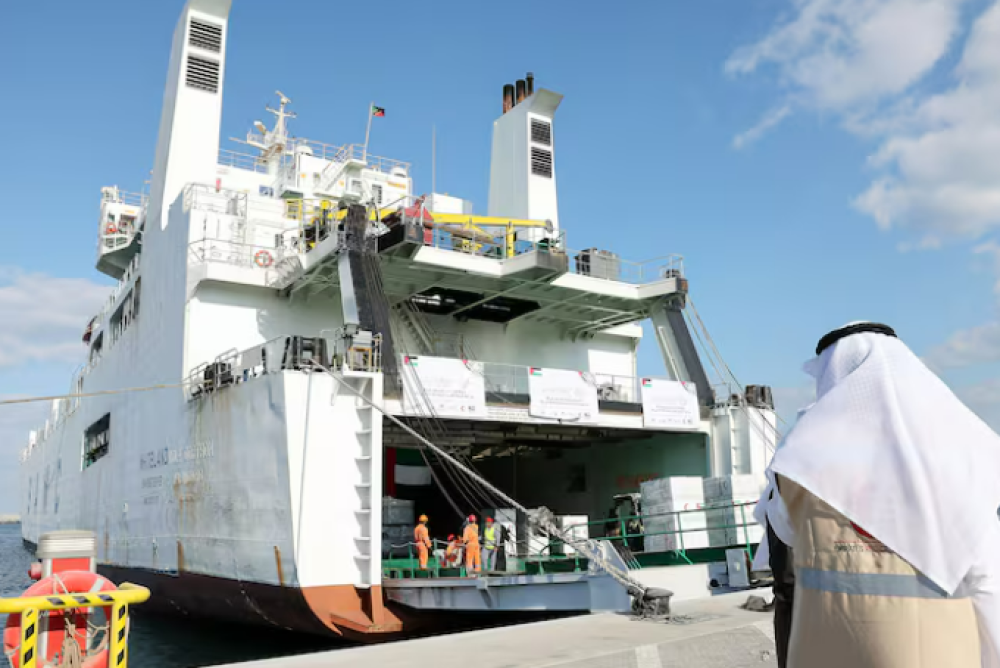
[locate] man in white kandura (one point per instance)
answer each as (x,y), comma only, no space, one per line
(891,487)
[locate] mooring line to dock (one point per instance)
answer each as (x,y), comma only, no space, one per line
(165,386)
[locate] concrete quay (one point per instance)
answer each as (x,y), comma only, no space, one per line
(707,633)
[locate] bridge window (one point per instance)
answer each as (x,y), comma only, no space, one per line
(96,441)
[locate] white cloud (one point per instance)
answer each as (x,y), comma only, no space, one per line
(43,316)
(935,171)
(978,345)
(838,54)
(770,120)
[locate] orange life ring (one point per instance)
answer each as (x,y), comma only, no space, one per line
(111,229)
(263,259)
(73,582)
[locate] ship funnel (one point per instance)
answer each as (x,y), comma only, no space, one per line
(508,97)
(523,160)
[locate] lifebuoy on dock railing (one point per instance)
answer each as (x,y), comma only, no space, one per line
(69,596)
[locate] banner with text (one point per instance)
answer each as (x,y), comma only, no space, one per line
(671,404)
(562,395)
(444,387)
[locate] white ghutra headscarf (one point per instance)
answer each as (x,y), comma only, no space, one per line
(891,448)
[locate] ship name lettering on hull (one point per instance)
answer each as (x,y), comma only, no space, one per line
(168,456)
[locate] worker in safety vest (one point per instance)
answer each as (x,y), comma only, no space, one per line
(453,553)
(422,537)
(491,544)
(891,487)
(473,559)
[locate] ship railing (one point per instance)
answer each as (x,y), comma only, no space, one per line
(353,152)
(125,197)
(490,241)
(317,219)
(472,236)
(246,161)
(726,525)
(283,353)
(317,149)
(203,197)
(512,379)
(609,266)
(259,257)
(722,524)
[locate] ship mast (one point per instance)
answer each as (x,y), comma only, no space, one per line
(272,144)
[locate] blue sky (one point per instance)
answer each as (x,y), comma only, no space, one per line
(815,161)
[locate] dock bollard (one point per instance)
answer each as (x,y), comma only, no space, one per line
(68,588)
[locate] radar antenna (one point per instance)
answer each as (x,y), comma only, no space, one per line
(271,143)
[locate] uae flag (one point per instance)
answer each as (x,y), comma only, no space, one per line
(408,469)
(378,111)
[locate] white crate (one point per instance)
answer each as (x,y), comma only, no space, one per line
(677,491)
(576,527)
(728,488)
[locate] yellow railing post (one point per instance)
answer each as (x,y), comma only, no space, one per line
(510,239)
(29,637)
(119,644)
(118,600)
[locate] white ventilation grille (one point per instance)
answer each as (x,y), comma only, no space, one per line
(541,132)
(206,36)
(202,74)
(541,162)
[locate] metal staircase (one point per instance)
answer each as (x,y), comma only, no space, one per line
(333,171)
(412,322)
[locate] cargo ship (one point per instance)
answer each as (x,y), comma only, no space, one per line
(240,434)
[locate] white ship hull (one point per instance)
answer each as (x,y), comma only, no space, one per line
(258,498)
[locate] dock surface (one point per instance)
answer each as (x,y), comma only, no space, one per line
(708,633)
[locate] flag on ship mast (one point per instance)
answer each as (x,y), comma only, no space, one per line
(373,111)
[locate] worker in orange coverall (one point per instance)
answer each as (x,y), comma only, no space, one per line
(422,538)
(453,553)
(473,560)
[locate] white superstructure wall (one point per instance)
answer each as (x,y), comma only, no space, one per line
(743,439)
(522,163)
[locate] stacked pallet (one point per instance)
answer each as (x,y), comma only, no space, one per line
(731,522)
(573,527)
(684,527)
(398,522)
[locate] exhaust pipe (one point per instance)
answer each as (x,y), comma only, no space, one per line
(530,81)
(521,86)
(508,97)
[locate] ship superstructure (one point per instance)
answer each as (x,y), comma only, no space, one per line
(253,487)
